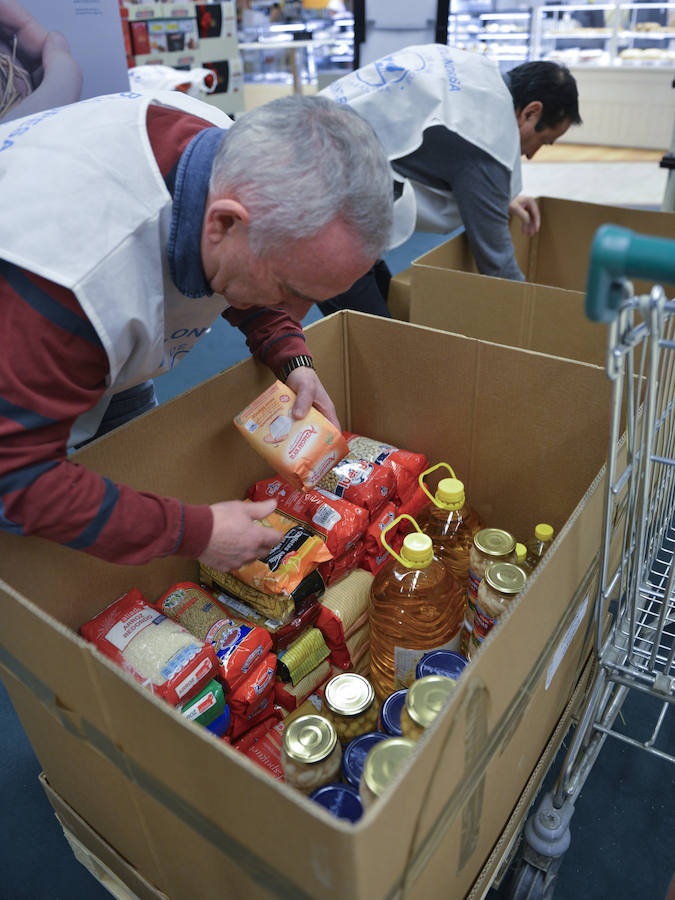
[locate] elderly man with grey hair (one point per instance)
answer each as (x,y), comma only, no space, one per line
(130,223)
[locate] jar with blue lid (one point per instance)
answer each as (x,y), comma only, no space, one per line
(342,800)
(448,663)
(390,713)
(354,755)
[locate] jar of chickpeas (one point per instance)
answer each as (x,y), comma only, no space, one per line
(310,753)
(349,704)
(425,698)
(490,545)
(497,591)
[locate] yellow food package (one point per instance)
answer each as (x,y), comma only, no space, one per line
(300,450)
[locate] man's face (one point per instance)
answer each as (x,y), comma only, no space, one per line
(311,270)
(531,139)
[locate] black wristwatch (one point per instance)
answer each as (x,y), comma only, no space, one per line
(295,362)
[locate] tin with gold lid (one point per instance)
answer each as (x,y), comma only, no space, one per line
(381,765)
(349,704)
(310,753)
(503,581)
(426,697)
(490,545)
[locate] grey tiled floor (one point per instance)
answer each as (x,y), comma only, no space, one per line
(623,844)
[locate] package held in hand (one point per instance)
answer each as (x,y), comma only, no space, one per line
(301,450)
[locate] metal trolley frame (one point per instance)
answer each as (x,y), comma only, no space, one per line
(634,612)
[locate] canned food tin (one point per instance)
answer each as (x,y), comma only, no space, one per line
(441,662)
(340,799)
(354,755)
(349,703)
(381,765)
(390,713)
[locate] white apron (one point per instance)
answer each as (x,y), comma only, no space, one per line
(415,88)
(81,220)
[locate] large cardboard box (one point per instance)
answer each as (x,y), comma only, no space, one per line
(526,432)
(546,311)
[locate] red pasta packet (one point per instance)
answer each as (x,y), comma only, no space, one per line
(266,750)
(336,569)
(340,523)
(160,654)
(362,482)
(253,693)
(274,716)
(373,562)
(241,725)
(405,464)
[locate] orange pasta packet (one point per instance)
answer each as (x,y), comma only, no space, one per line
(297,554)
(301,450)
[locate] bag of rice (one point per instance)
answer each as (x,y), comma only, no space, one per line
(340,523)
(160,654)
(406,465)
(300,450)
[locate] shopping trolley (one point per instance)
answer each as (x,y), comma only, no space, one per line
(634,613)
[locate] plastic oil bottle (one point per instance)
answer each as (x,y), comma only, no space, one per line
(415,606)
(537,546)
(450,522)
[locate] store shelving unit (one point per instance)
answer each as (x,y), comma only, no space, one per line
(504,36)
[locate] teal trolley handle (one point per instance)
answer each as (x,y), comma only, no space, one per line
(618,253)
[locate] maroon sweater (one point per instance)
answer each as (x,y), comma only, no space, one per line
(53,368)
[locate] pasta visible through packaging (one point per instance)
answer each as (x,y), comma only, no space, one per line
(405,464)
(301,450)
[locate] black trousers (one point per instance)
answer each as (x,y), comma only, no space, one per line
(368,294)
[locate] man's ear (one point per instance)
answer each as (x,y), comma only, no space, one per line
(221,216)
(530,113)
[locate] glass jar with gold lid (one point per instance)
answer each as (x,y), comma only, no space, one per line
(490,545)
(381,765)
(425,698)
(349,704)
(498,589)
(310,753)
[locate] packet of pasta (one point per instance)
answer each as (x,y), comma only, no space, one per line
(300,450)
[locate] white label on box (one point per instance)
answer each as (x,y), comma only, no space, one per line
(405,661)
(127,628)
(562,647)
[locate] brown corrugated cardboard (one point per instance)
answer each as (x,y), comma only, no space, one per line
(190,814)
(544,313)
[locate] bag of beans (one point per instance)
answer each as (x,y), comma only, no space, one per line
(405,465)
(160,654)
(361,482)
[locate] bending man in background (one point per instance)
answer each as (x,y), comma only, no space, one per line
(454,129)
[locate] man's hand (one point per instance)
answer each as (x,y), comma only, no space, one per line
(310,392)
(527,210)
(238,537)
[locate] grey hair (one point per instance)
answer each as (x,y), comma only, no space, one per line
(299,162)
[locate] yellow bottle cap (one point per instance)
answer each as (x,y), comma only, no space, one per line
(521,552)
(417,550)
(450,493)
(543,532)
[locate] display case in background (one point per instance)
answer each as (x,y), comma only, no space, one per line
(504,35)
(300,49)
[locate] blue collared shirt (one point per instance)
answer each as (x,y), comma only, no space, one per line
(189,184)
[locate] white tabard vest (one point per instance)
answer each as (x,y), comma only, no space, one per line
(99,228)
(412,89)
